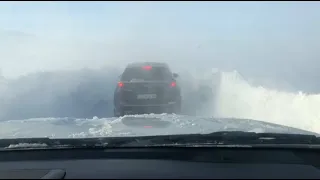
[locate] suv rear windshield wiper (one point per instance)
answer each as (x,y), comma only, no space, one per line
(221,138)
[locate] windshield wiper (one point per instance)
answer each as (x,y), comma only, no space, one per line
(257,139)
(221,138)
(229,138)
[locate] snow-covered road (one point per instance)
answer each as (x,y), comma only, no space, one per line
(27,102)
(133,125)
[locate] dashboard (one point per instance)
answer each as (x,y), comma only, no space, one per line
(160,162)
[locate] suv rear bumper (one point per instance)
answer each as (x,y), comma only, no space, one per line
(172,107)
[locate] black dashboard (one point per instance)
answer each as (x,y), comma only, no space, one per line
(161,162)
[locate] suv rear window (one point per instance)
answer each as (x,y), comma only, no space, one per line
(153,74)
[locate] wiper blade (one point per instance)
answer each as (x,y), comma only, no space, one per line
(47,143)
(242,137)
(24,142)
(227,138)
(216,138)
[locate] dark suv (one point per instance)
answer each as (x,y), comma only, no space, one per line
(147,88)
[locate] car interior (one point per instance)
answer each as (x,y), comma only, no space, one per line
(161,162)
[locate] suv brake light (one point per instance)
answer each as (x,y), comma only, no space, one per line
(173,84)
(147,67)
(120,84)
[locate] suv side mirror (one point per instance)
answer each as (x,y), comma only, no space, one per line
(175,75)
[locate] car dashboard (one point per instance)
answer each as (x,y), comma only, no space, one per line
(160,162)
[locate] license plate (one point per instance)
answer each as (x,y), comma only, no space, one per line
(147,96)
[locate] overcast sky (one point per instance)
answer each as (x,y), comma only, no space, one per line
(253,37)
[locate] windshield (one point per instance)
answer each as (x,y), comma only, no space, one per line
(147,73)
(123,69)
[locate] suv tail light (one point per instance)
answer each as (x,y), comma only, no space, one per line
(147,67)
(173,84)
(120,84)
